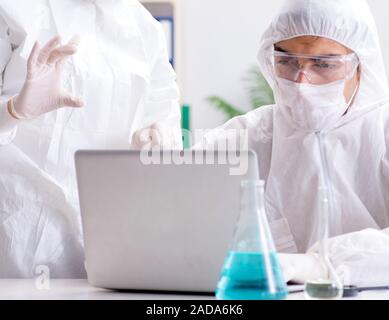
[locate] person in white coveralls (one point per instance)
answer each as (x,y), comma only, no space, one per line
(328,128)
(75,74)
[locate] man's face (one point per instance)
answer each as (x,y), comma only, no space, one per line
(319,46)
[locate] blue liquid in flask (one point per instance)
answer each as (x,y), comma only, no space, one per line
(251,276)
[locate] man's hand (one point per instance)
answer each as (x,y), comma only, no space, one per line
(300,268)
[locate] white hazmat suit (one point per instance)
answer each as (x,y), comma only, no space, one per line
(352,152)
(121,72)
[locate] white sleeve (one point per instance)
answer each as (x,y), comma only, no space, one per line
(229,136)
(8,124)
(162,99)
(361,258)
(239,133)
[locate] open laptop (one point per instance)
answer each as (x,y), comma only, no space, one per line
(159,227)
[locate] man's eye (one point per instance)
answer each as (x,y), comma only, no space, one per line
(322,65)
(325,65)
(286,62)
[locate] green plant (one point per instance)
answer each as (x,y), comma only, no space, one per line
(259,91)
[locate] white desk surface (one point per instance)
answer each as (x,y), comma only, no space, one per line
(11,289)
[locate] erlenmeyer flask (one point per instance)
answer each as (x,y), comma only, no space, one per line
(251,270)
(329,287)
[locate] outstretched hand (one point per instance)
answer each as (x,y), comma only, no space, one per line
(42,92)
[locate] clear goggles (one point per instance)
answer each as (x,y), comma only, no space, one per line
(316,69)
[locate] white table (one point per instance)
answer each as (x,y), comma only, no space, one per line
(11,289)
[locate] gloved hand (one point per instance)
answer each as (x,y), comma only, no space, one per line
(300,268)
(42,92)
(158,136)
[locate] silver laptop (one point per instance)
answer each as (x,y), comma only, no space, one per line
(159,221)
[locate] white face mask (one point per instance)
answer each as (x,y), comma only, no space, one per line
(312,108)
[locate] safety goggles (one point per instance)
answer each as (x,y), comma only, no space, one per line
(316,69)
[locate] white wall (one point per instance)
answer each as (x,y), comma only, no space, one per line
(220,42)
(380,10)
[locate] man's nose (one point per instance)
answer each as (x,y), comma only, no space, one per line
(302,77)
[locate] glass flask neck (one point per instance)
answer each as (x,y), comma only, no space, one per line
(252,195)
(328,286)
(324,220)
(252,233)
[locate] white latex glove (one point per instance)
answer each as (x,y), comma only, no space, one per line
(42,92)
(300,268)
(157,136)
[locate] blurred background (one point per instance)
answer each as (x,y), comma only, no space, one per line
(214,45)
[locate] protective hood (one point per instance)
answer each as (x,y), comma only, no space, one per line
(349,22)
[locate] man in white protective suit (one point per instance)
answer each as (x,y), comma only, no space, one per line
(110,86)
(329,128)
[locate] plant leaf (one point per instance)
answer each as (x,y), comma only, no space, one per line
(229,110)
